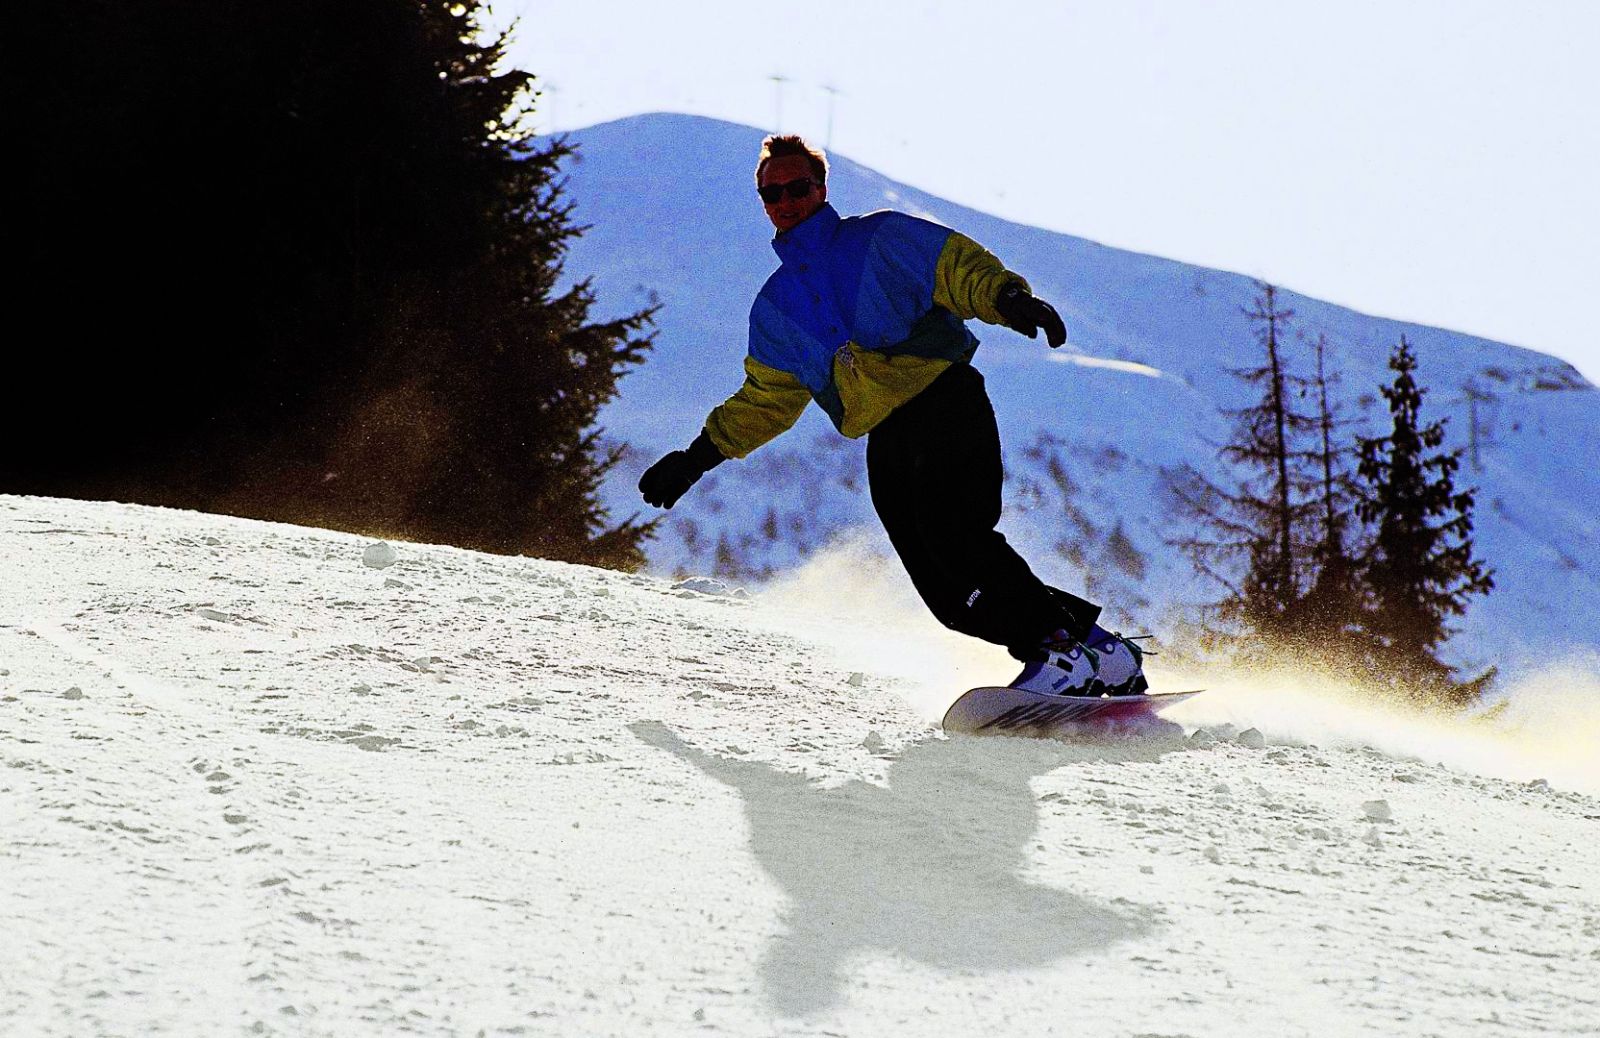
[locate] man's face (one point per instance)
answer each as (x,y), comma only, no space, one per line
(789,211)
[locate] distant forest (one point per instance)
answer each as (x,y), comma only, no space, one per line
(1348,557)
(299,260)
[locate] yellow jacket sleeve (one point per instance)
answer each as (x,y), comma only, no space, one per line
(769,402)
(969,278)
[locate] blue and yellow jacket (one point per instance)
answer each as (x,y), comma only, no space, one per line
(861,316)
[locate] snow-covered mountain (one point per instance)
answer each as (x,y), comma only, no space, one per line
(1089,429)
(267,780)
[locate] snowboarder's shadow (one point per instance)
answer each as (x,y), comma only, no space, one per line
(927,868)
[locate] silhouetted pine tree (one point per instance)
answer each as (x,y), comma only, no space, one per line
(1251,538)
(301,260)
(1420,570)
(1329,617)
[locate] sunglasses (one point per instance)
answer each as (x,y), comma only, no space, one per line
(794,188)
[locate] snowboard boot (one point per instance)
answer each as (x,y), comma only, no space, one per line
(1063,666)
(1121,664)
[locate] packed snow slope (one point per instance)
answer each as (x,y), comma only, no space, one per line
(1089,430)
(260,779)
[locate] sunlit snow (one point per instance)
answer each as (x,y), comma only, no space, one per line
(254,785)
(1108,363)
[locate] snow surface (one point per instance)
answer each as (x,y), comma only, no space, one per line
(254,784)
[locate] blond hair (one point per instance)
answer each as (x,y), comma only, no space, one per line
(777,146)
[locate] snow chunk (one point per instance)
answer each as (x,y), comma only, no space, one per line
(1252,739)
(379,555)
(1377,811)
(703,585)
(709,586)
(580,757)
(372,743)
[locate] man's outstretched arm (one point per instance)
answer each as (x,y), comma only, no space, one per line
(769,402)
(971,282)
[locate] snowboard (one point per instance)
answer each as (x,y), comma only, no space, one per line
(1011,711)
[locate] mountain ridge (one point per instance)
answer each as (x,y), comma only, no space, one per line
(673,218)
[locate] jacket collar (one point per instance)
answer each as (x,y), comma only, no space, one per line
(809,237)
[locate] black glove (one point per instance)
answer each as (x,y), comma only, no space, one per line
(1026,313)
(671,477)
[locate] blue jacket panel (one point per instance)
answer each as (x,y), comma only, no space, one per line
(866,279)
(862,315)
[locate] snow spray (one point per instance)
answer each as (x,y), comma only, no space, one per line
(853,599)
(1545,727)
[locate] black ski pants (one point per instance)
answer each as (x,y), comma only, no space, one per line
(935,473)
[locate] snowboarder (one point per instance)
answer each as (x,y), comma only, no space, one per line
(865,315)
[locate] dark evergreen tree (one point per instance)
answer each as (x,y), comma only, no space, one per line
(1251,537)
(1329,617)
(1420,570)
(303,261)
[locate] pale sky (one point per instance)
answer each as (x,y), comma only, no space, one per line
(1431,160)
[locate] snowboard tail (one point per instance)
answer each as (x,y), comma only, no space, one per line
(1011,711)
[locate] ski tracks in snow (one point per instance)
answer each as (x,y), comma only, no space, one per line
(255,784)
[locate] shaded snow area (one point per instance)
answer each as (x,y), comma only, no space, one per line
(267,780)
